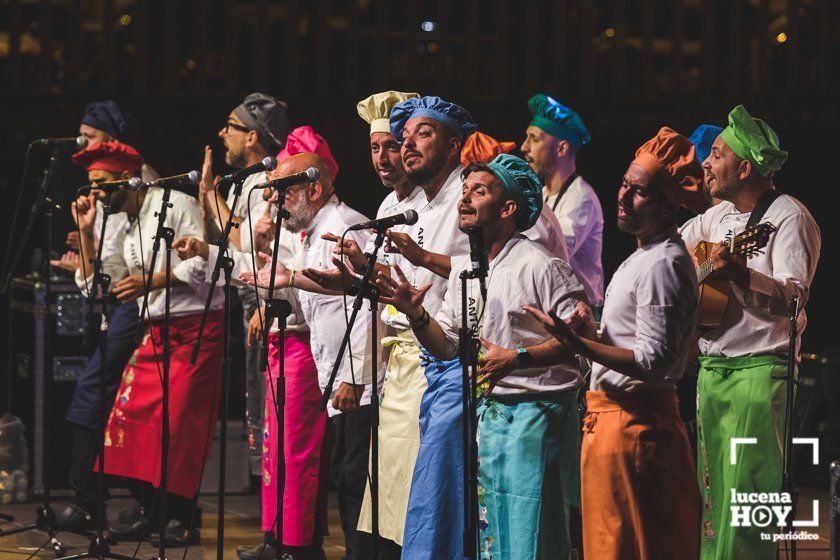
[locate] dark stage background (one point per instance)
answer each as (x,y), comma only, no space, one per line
(628,67)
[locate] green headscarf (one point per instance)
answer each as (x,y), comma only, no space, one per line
(753,139)
(522,185)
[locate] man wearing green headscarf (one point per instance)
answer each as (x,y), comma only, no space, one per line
(527,418)
(553,139)
(741,385)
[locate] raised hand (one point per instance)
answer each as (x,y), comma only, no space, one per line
(402,243)
(556,327)
(263,277)
(352,251)
(334,279)
(207,185)
(69,261)
(264,226)
(84,212)
(401,294)
(189,247)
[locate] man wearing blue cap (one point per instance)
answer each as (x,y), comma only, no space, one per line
(552,141)
(524,498)
(703,137)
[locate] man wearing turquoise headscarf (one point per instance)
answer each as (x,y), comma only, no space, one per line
(741,386)
(528,429)
(552,141)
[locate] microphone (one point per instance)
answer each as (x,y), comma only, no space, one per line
(311,175)
(77,142)
(133,184)
(266,164)
(181,180)
(408,218)
(478,256)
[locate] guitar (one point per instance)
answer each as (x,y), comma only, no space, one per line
(714,291)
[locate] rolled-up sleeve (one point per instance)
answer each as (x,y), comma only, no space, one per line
(794,252)
(665,301)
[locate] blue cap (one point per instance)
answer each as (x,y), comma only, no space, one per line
(703,137)
(108,117)
(522,185)
(454,117)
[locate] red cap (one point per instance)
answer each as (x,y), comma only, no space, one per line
(115,157)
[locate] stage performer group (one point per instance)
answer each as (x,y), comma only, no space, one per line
(580,443)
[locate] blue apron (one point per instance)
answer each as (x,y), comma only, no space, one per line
(435,519)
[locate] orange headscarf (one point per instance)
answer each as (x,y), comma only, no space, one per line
(670,157)
(481,148)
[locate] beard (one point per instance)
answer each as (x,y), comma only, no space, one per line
(300,216)
(427,172)
(235,159)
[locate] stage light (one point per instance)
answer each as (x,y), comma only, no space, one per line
(432,47)
(781,37)
(428,26)
(609,32)
(125,20)
(190,64)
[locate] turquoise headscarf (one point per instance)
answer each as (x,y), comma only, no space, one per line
(522,185)
(557,119)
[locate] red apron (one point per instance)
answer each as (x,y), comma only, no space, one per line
(132,439)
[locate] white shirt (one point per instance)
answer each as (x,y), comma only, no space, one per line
(651,308)
(325,314)
(437,231)
(110,246)
(523,272)
(136,245)
(582,220)
(549,233)
(249,198)
(390,206)
(756,321)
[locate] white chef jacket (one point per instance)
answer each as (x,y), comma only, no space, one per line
(582,220)
(651,308)
(325,314)
(255,202)
(524,272)
(549,233)
(756,320)
(136,241)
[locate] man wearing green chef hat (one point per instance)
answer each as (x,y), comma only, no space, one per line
(741,387)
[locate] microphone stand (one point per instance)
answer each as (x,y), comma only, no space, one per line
(168,235)
(366,290)
(223,262)
(788,483)
(468,356)
(44,515)
(279,309)
(100,547)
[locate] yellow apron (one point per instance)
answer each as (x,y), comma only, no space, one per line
(399,436)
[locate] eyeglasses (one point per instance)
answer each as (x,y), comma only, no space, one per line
(235,126)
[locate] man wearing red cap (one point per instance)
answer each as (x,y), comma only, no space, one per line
(132,436)
(104,161)
(638,495)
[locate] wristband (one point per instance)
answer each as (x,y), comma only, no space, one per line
(422,323)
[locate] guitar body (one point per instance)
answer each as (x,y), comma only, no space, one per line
(714,293)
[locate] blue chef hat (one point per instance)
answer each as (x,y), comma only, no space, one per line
(703,137)
(454,117)
(108,117)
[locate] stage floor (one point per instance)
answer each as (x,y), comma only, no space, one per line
(242,527)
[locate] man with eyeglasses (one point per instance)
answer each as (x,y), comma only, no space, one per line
(255,129)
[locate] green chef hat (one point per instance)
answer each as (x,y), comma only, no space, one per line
(557,119)
(522,185)
(753,139)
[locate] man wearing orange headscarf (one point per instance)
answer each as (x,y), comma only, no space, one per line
(638,495)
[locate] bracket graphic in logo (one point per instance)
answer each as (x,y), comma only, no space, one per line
(815,460)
